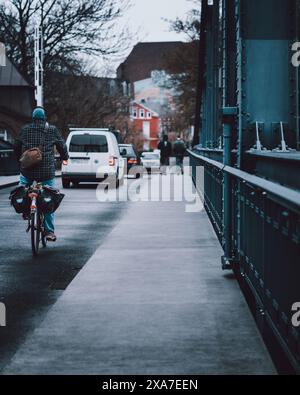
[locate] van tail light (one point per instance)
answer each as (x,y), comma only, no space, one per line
(132,161)
(112,160)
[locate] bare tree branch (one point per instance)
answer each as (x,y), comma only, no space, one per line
(70,27)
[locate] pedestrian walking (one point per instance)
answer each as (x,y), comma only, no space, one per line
(179,152)
(165,148)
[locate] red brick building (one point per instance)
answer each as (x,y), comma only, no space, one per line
(146,121)
(144,75)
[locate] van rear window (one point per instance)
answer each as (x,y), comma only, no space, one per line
(129,151)
(88,143)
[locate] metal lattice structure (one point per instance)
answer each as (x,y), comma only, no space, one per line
(248,144)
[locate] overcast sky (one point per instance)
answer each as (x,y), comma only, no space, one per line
(148,15)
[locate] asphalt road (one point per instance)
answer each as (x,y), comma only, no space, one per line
(30,286)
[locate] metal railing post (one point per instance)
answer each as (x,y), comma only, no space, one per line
(229,114)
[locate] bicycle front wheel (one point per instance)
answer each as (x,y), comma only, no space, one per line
(35,233)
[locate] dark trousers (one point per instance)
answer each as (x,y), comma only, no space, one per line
(165,160)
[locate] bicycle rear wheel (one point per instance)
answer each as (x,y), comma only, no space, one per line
(35,232)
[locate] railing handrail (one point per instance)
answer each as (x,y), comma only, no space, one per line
(283,193)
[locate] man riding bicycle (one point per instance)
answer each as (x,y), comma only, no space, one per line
(32,135)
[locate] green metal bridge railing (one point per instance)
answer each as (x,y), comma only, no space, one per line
(265,241)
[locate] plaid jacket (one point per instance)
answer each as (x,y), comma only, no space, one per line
(30,137)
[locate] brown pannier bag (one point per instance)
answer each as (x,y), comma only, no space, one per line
(34,156)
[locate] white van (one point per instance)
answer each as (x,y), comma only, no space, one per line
(94,156)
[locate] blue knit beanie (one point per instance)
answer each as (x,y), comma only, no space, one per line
(39,113)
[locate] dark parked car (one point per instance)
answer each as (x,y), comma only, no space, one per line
(128,152)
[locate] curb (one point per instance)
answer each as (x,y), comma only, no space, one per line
(14,183)
(10,184)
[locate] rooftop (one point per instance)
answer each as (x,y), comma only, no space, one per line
(10,76)
(146,57)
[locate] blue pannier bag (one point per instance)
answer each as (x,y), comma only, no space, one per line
(49,200)
(19,200)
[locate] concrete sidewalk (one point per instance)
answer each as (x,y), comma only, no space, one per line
(152,300)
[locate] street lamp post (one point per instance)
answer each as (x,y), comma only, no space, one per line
(38,64)
(39,58)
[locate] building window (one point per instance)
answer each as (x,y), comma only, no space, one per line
(149,115)
(134,113)
(142,113)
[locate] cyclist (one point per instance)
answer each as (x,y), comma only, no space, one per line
(31,136)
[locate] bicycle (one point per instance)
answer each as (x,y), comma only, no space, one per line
(36,219)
